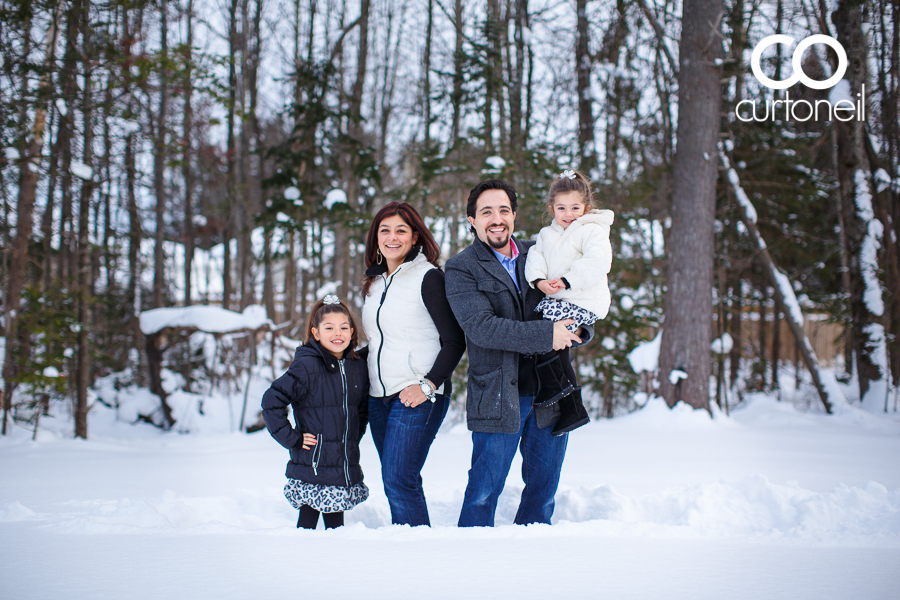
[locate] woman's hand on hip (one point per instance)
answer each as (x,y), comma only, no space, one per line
(309,439)
(412,396)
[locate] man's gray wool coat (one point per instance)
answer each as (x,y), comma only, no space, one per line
(500,325)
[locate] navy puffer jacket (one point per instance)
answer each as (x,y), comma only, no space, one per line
(329,398)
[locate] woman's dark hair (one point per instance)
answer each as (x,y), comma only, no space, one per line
(318,312)
(581,184)
(424,240)
(490,184)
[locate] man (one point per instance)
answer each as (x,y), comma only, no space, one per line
(494,305)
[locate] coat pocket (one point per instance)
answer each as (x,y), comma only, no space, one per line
(491,286)
(485,395)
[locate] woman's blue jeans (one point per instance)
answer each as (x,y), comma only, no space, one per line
(403,437)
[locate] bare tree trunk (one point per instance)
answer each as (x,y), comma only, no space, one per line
(854,174)
(290,278)
(763,334)
(109,230)
(426,76)
(47,218)
(501,41)
(84,247)
(66,262)
(776,341)
(889,86)
(355,132)
(243,209)
(736,326)
(516,91)
(134,228)
(849,341)
(458,76)
(492,26)
(187,170)
(268,282)
(28,177)
(231,179)
(615,99)
(159,163)
(529,96)
(688,307)
(586,153)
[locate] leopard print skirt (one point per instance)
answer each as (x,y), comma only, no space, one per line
(324,498)
(557,310)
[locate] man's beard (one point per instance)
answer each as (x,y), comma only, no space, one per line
(498,245)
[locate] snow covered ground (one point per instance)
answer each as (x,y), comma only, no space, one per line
(769,503)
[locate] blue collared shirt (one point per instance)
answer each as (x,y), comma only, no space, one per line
(509,263)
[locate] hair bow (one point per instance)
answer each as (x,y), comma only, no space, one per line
(568,174)
(331,299)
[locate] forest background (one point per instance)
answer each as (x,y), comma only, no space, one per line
(231,153)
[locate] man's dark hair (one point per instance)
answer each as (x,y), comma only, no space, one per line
(490,184)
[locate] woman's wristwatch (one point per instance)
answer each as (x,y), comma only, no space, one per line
(427,389)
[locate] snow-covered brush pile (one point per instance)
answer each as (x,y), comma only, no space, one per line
(212,367)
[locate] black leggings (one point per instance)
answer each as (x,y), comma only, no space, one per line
(565,361)
(309,518)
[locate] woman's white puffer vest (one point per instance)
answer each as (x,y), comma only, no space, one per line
(582,254)
(403,340)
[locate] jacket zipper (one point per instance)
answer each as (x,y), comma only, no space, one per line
(387,284)
(317,454)
(346,422)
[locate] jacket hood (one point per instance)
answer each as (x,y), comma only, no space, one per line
(594,217)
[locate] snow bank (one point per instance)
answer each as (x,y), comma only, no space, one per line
(803,505)
(752,506)
(211,319)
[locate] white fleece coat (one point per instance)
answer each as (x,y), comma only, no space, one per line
(582,254)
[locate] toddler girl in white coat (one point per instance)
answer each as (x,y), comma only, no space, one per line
(569,263)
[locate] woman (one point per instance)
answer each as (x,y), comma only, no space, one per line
(414,345)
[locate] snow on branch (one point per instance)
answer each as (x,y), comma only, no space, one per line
(784,284)
(209,319)
(784,289)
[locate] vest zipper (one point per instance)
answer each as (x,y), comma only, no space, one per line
(387,284)
(346,421)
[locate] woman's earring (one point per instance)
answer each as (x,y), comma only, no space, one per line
(378,256)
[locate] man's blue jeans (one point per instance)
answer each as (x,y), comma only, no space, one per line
(403,437)
(492,455)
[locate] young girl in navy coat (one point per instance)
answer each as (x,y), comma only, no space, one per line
(327,387)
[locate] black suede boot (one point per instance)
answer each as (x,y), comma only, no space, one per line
(553,384)
(573,414)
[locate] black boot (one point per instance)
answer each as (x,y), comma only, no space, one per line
(573,414)
(553,384)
